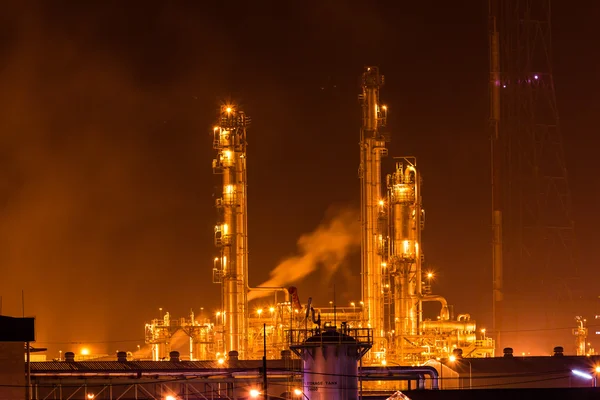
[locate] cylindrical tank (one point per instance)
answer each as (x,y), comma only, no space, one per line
(330,366)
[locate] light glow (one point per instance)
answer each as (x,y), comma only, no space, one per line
(582,374)
(85,351)
(254,393)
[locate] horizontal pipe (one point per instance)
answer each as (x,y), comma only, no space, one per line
(270,289)
(216,372)
(366,374)
(396,373)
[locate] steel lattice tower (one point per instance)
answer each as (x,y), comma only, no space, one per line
(534,240)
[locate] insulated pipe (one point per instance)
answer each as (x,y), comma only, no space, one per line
(444,313)
(466,317)
(397,373)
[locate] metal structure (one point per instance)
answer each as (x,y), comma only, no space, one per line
(581,333)
(231,268)
(372,150)
(161,333)
(330,359)
(403,259)
(394,285)
(126,378)
(533,230)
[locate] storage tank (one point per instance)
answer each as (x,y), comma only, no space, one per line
(330,359)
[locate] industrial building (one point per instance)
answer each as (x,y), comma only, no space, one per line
(394,283)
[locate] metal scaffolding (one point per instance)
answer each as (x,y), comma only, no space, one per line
(533,229)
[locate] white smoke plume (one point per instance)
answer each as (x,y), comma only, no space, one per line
(326,247)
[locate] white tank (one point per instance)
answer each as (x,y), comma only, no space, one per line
(331,365)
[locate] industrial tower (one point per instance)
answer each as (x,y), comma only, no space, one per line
(393,284)
(231,267)
(533,230)
(372,149)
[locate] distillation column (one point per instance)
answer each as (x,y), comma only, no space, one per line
(231,233)
(406,223)
(372,149)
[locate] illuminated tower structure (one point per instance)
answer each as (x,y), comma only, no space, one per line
(231,233)
(404,259)
(533,235)
(372,149)
(581,333)
(393,290)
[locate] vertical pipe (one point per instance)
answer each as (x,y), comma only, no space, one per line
(496,174)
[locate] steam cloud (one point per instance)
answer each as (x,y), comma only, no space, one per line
(328,246)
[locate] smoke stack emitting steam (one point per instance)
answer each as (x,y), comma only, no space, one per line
(327,246)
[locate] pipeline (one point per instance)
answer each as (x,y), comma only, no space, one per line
(400,373)
(444,313)
(466,317)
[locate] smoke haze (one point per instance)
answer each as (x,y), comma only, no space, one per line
(327,247)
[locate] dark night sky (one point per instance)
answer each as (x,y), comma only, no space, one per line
(106,111)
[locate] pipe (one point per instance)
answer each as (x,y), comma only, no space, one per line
(213,372)
(397,373)
(444,313)
(465,316)
(270,289)
(448,325)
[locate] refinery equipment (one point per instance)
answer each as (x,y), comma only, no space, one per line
(162,333)
(580,334)
(231,267)
(393,288)
(372,149)
(330,360)
(393,283)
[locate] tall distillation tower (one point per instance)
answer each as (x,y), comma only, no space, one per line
(403,259)
(372,149)
(231,233)
(533,227)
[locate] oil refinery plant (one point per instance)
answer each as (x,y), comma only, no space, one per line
(394,283)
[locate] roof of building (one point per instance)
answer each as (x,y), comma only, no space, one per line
(548,364)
